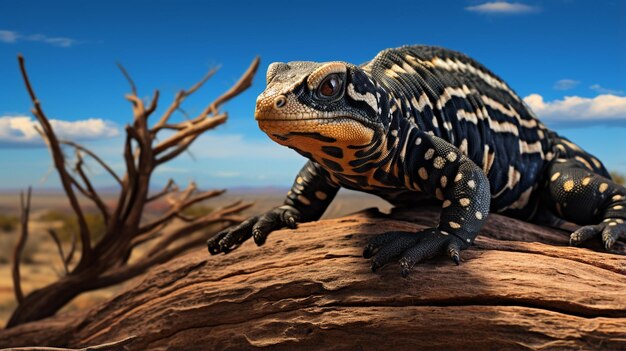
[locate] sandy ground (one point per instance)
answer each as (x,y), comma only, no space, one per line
(44,265)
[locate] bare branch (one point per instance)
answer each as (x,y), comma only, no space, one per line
(94,156)
(57,241)
(59,162)
(178,100)
(193,130)
(244,83)
(169,188)
(19,247)
(153,103)
(181,204)
(91,192)
(70,254)
(133,88)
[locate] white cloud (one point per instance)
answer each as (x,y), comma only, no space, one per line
(8,36)
(503,7)
(169,169)
(575,109)
(565,84)
(602,90)
(20,130)
(226,174)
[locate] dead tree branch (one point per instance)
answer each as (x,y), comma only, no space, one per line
(21,244)
(59,163)
(105,262)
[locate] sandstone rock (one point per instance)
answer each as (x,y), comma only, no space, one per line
(311,289)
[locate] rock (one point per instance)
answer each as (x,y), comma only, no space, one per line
(311,289)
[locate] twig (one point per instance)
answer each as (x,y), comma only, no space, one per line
(19,247)
(91,192)
(179,206)
(133,88)
(167,189)
(244,83)
(59,162)
(94,156)
(57,241)
(178,100)
(70,254)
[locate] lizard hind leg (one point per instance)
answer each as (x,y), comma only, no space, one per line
(579,195)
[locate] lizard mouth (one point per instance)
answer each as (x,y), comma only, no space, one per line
(296,119)
(340,129)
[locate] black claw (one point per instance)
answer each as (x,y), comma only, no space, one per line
(456,258)
(213,250)
(405,267)
(375,265)
(369,251)
(291,223)
(404,272)
(259,238)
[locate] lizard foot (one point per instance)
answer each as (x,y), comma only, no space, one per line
(609,230)
(258,227)
(411,248)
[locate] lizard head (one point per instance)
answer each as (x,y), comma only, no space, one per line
(319,108)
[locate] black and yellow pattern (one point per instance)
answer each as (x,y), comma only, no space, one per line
(417,122)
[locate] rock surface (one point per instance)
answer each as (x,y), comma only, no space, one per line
(311,289)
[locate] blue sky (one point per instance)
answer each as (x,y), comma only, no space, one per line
(567,57)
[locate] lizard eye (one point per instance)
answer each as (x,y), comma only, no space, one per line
(330,86)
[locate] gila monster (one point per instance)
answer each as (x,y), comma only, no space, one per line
(419,124)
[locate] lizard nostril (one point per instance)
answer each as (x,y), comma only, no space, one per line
(280,101)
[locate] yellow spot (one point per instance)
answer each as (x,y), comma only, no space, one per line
(555,176)
(446,203)
(439,162)
(603,187)
(586,180)
(418,141)
(464,201)
(439,194)
(568,185)
(444,181)
(617,197)
(612,224)
(422,173)
(584,162)
(596,162)
(619,220)
(479,215)
(299,180)
(451,156)
(454,225)
(304,200)
(458,177)
(321,195)
(618,207)
(429,154)
(471,183)
(607,220)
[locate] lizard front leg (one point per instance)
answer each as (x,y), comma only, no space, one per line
(310,195)
(437,168)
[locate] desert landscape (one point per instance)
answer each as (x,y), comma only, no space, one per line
(42,264)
